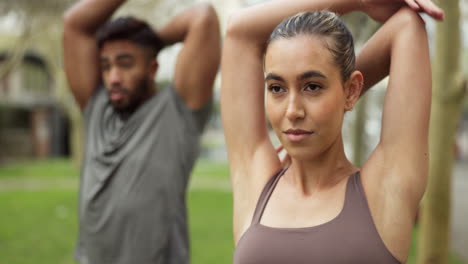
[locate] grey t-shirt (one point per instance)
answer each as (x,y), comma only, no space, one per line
(134,177)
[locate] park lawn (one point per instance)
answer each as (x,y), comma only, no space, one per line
(63,168)
(53,168)
(39,225)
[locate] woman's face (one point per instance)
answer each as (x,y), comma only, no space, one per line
(305,97)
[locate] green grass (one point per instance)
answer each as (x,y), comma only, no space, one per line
(210,217)
(56,168)
(63,168)
(37,227)
(40,226)
(204,168)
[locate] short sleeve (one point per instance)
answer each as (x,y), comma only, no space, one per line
(98,99)
(199,117)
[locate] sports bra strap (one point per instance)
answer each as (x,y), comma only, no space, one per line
(265,196)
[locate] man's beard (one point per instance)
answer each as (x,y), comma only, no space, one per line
(135,99)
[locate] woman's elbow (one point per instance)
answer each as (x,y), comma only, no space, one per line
(411,20)
(236,26)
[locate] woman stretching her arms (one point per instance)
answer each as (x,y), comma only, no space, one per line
(322,209)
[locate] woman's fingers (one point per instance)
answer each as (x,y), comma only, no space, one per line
(286,160)
(413,5)
(431,9)
(279,148)
(424,6)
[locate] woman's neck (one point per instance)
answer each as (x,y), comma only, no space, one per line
(321,172)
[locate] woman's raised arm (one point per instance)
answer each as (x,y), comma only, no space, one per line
(394,177)
(400,49)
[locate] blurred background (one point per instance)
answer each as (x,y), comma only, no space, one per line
(40,137)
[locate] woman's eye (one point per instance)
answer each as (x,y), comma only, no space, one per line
(312,87)
(275,89)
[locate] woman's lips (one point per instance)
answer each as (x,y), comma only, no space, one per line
(297,135)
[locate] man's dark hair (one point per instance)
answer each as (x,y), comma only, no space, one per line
(132,29)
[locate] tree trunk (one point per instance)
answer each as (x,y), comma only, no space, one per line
(447,100)
(362,28)
(359,132)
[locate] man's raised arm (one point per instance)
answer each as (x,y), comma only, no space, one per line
(81,55)
(198,61)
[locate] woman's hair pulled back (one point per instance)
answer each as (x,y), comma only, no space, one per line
(325,24)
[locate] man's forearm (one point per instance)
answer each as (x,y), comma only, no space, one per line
(88,15)
(195,18)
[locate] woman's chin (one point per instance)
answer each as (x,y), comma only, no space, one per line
(302,153)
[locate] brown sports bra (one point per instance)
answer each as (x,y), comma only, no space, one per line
(351,237)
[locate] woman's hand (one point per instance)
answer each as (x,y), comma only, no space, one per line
(286,160)
(381,10)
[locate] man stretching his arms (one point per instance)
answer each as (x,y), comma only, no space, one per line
(141,142)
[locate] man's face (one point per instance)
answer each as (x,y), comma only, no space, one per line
(127,73)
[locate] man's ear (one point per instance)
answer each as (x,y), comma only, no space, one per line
(153,68)
(353,89)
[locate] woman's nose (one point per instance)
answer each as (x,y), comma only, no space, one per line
(295,108)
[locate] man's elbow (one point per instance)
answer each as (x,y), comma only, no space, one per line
(73,21)
(69,28)
(69,19)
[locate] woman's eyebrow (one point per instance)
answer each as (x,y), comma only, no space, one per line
(303,76)
(311,74)
(272,76)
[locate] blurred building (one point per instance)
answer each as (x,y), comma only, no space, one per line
(32,124)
